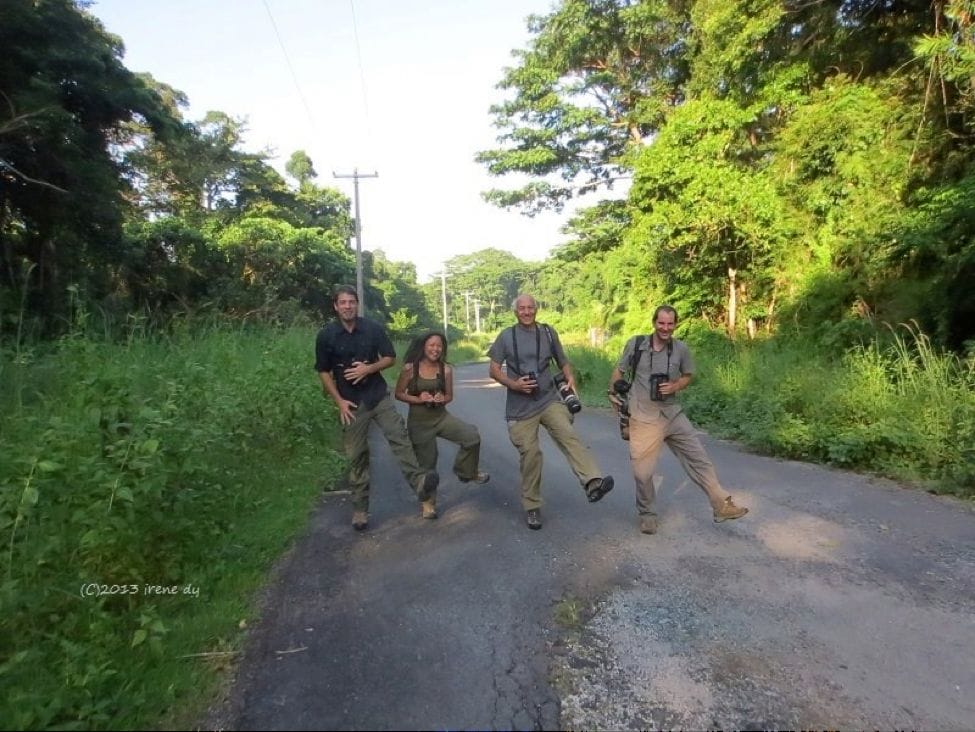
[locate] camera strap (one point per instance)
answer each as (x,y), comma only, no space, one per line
(551,343)
(670,350)
(635,358)
(538,347)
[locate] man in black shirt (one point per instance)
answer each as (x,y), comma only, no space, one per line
(350,353)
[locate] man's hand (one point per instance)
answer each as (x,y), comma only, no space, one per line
(672,387)
(347,411)
(356,372)
(526,385)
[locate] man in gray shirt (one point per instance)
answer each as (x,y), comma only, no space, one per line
(528,349)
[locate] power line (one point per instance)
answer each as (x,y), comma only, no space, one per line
(294,77)
(362,74)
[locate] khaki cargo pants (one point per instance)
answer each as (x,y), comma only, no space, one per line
(424,433)
(524,436)
(355,440)
(646,438)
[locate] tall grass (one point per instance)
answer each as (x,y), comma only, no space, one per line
(185,460)
(902,409)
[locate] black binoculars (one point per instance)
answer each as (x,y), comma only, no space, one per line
(655,381)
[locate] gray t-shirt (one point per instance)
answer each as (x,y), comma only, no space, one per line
(675,362)
(535,353)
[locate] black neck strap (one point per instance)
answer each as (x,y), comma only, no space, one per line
(538,347)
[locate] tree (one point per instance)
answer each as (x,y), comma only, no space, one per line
(713,221)
(299,167)
(65,99)
(494,277)
(271,263)
(598,78)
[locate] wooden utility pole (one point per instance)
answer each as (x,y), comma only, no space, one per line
(355,175)
(443,289)
(467,310)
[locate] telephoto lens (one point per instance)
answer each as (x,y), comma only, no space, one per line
(622,390)
(568,396)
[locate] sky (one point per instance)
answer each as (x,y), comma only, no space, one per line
(401,88)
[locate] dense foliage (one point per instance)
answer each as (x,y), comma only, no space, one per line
(110,197)
(185,460)
(794,165)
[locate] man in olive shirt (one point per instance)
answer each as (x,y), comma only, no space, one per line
(350,353)
(664,366)
(528,349)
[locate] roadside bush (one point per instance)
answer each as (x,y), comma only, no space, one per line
(145,489)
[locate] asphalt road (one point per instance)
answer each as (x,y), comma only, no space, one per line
(840,601)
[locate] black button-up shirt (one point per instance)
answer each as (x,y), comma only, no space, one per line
(336,349)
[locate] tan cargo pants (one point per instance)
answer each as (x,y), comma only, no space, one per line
(524,436)
(646,438)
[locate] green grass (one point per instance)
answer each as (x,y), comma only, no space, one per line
(183,460)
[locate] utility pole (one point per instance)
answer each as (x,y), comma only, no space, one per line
(358,234)
(467,310)
(443,289)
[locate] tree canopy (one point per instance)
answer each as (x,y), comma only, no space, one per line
(786,158)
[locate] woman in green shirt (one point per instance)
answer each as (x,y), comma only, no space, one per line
(426,383)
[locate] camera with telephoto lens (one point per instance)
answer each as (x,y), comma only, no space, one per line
(655,381)
(566,394)
(621,388)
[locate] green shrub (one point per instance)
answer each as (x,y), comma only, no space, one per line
(184,461)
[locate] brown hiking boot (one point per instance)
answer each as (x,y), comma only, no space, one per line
(360,520)
(428,508)
(648,523)
(728,511)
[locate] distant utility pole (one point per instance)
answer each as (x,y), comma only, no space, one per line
(358,234)
(443,289)
(467,310)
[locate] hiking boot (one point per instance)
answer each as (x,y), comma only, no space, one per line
(648,524)
(427,485)
(360,520)
(728,511)
(533,517)
(598,487)
(479,478)
(428,508)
